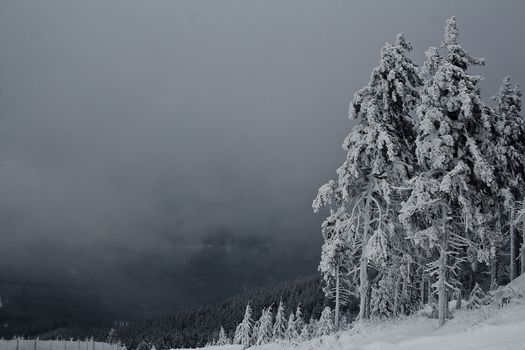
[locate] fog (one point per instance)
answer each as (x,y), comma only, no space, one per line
(165,153)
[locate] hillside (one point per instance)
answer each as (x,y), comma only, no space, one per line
(196,328)
(51,312)
(487,328)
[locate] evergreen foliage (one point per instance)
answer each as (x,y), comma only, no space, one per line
(428,194)
(197,327)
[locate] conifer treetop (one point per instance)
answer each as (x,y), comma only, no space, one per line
(455,54)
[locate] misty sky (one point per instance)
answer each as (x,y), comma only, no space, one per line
(167,152)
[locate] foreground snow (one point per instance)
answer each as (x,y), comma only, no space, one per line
(484,329)
(32,344)
(487,328)
(490,328)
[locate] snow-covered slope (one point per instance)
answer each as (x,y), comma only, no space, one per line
(488,328)
(483,329)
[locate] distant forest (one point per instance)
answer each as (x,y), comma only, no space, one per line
(196,328)
(50,313)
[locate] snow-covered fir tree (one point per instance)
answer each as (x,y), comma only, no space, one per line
(291,332)
(443,213)
(305,333)
(243,333)
(112,336)
(279,326)
(508,154)
(379,159)
(335,259)
(325,325)
(311,327)
(381,299)
(264,331)
(299,321)
(223,338)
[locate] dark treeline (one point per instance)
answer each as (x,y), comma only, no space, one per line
(196,328)
(53,313)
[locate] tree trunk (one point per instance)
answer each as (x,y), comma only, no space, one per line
(470,282)
(430,294)
(447,299)
(512,247)
(460,298)
(364,283)
(396,294)
(363,288)
(523,256)
(422,291)
(337,287)
(493,273)
(523,245)
(368,310)
(442,272)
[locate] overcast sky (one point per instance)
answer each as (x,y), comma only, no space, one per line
(167,152)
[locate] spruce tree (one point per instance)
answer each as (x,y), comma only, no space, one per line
(279,326)
(325,325)
(264,331)
(335,261)
(291,332)
(243,333)
(508,154)
(305,333)
(443,212)
(299,322)
(223,339)
(379,157)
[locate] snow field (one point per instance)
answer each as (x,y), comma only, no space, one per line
(32,344)
(488,328)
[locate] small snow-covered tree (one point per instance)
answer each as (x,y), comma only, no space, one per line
(325,325)
(397,292)
(279,326)
(382,296)
(312,326)
(264,331)
(223,339)
(344,322)
(299,322)
(291,332)
(336,253)
(243,333)
(112,336)
(305,333)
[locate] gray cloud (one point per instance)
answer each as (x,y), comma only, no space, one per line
(171,149)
